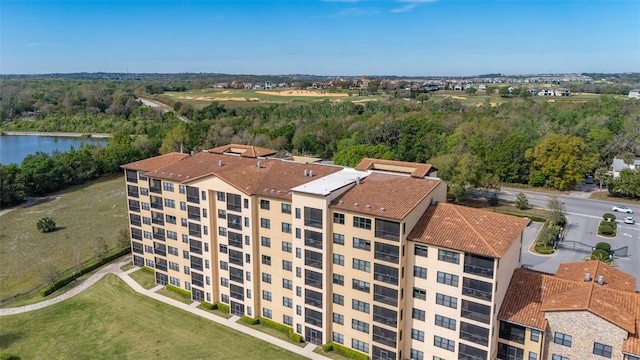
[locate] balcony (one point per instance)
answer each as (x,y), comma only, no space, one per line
(160,252)
(133,194)
(158,236)
(313,243)
(313,262)
(313,282)
(313,302)
(157,205)
(483,318)
(386,278)
(236,278)
(392,258)
(134,208)
(157,221)
(193,199)
(136,222)
(474,338)
(478,270)
(155,189)
(393,322)
(478,294)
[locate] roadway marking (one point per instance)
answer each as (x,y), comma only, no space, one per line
(629,235)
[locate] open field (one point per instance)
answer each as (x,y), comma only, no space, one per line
(111,321)
(480,99)
(241,97)
(80,214)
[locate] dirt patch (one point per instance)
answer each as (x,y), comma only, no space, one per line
(227,92)
(301,93)
(551,101)
(235,99)
(459,97)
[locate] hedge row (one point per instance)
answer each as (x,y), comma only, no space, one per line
(148,270)
(249,320)
(83,270)
(350,353)
(208,306)
(222,307)
(296,338)
(272,324)
(533,218)
(177,290)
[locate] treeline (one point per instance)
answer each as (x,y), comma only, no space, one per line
(41,174)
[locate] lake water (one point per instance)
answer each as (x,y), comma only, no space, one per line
(14,148)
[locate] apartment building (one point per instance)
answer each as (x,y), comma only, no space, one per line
(588,310)
(370,257)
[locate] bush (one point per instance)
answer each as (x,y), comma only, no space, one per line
(222,307)
(522,202)
(544,250)
(599,255)
(297,338)
(184,293)
(352,354)
(249,320)
(272,324)
(46,225)
(148,270)
(603,246)
(606,228)
(208,306)
(327,347)
(5,356)
(609,217)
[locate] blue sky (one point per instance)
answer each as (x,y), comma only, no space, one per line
(338,37)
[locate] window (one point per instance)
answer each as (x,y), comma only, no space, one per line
(187,271)
(170,218)
(265,223)
(478,265)
(338,259)
(416,355)
(360,326)
(474,311)
(220,195)
(361,223)
(338,218)
(447,279)
(173,250)
(313,239)
(222,231)
(419,293)
(337,338)
(361,265)
(445,322)
(287,284)
(338,319)
(172,235)
(388,230)
(509,352)
(185,254)
(267,313)
(182,189)
(286,246)
(224,265)
(170,203)
(204,195)
(286,228)
(533,356)
(287,265)
(475,334)
(449,256)
(419,272)
(361,244)
(286,208)
(183,222)
(338,239)
(266,295)
(602,350)
(420,250)
(174,266)
(265,241)
(558,357)
(266,278)
(418,314)
(266,260)
(444,343)
(338,279)
(248,275)
(298,233)
(287,302)
(287,320)
(562,339)
(446,300)
(417,335)
(361,285)
(338,299)
(183,206)
(360,345)
(174,281)
(313,217)
(167,186)
(264,204)
(360,306)
(535,335)
(511,332)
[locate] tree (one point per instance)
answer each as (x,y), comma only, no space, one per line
(11,185)
(352,155)
(556,208)
(600,175)
(46,225)
(422,97)
(559,161)
(629,158)
(100,248)
(522,202)
(490,90)
(471,91)
(177,139)
(122,239)
(627,184)
(50,273)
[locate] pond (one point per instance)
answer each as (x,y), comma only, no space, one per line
(14,148)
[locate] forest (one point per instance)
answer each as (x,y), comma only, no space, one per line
(522,141)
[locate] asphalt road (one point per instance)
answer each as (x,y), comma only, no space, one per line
(583,216)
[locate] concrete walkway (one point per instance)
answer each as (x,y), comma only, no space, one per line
(114,268)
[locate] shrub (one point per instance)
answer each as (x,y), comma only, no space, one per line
(606,228)
(603,246)
(148,270)
(272,324)
(208,306)
(609,217)
(184,293)
(297,338)
(544,250)
(522,202)
(5,356)
(599,255)
(327,347)
(350,353)
(249,320)
(46,225)
(222,307)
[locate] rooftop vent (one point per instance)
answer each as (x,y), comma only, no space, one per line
(368,206)
(340,201)
(358,180)
(219,162)
(587,277)
(259,164)
(191,152)
(310,172)
(356,204)
(600,280)
(381,209)
(306,172)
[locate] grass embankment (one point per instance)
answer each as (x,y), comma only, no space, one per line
(111,321)
(80,213)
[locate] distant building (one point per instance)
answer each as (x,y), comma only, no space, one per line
(546,92)
(634,94)
(562,92)
(482,87)
(618,165)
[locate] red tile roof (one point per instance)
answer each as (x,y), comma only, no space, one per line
(467,229)
(155,162)
(243,150)
(415,169)
(385,195)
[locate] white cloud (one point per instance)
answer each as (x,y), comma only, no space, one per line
(410,4)
(358,12)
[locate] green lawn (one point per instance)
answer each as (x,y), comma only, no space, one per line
(143,278)
(174,295)
(111,321)
(273,332)
(80,214)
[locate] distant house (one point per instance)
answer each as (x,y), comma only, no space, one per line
(458,87)
(257,87)
(546,92)
(222,85)
(562,92)
(482,87)
(533,92)
(268,85)
(618,165)
(634,94)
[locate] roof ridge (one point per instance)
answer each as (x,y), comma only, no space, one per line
(455,208)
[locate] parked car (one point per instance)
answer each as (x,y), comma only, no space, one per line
(628,220)
(622,208)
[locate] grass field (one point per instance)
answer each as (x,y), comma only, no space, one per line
(143,278)
(480,99)
(111,321)
(80,213)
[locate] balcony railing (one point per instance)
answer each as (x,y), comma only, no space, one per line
(313,321)
(474,338)
(161,267)
(313,263)
(132,179)
(158,236)
(475,316)
(478,270)
(133,194)
(155,189)
(160,252)
(478,294)
(313,243)
(236,278)
(385,299)
(234,207)
(156,205)
(313,282)
(386,278)
(193,199)
(193,216)
(379,255)
(394,236)
(393,322)
(235,260)
(136,222)
(384,340)
(313,302)
(237,295)
(158,221)
(134,208)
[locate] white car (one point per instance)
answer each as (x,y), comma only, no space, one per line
(622,208)
(628,220)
